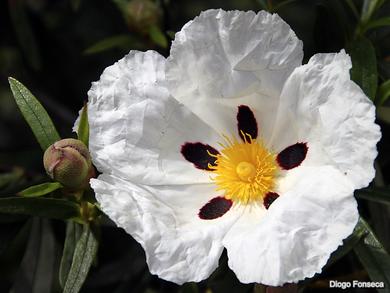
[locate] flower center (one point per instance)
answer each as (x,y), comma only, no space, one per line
(245,170)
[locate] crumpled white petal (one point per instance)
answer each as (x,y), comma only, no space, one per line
(137,129)
(179,246)
(295,237)
(224,58)
(322,106)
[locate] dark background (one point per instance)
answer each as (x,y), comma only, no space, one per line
(57,48)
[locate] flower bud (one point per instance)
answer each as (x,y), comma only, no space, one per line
(142,14)
(68,162)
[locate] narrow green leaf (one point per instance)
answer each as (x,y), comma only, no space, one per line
(75,4)
(190,287)
(24,33)
(83,257)
(8,178)
(353,8)
(282,4)
(35,115)
(263,4)
(121,4)
(384,21)
(9,219)
(83,129)
(41,207)
(38,265)
(124,42)
(8,233)
(171,34)
(260,288)
(383,113)
(73,232)
(374,257)
(224,280)
(158,37)
(40,189)
(383,93)
(377,194)
(348,244)
(364,69)
(12,256)
(368,9)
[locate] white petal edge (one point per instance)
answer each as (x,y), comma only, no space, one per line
(224,58)
(322,106)
(179,246)
(137,129)
(295,237)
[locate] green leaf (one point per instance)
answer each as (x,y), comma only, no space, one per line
(73,232)
(383,113)
(384,21)
(41,207)
(12,256)
(11,177)
(75,4)
(35,115)
(374,257)
(37,269)
(368,9)
(353,8)
(40,189)
(348,244)
(8,233)
(263,4)
(24,33)
(260,288)
(364,69)
(383,93)
(224,280)
(282,4)
(190,287)
(83,257)
(121,4)
(123,42)
(158,37)
(377,194)
(171,34)
(83,129)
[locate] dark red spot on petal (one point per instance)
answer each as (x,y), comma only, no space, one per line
(292,156)
(246,122)
(215,208)
(269,199)
(198,154)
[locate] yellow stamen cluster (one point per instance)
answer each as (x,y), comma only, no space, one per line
(244,170)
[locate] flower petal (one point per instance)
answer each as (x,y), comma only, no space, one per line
(221,60)
(179,246)
(137,130)
(320,105)
(294,238)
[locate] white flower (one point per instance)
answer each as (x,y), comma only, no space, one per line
(231,143)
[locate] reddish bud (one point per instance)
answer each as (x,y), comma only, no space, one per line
(68,162)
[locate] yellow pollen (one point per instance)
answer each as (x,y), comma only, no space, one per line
(245,171)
